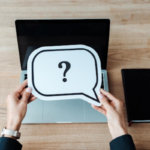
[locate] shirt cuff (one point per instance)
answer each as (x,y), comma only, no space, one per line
(6,143)
(124,142)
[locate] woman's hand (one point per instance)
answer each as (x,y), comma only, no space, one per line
(17,106)
(112,108)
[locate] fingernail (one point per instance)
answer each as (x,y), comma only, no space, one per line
(100,96)
(28,90)
(101,90)
(92,105)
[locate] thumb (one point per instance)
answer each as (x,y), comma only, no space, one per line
(104,101)
(26,95)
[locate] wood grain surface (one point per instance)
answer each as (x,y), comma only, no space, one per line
(129,47)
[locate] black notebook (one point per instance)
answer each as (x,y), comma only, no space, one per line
(136,83)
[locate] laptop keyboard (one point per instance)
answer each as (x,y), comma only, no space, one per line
(102,85)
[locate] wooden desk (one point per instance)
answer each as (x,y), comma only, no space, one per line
(129,47)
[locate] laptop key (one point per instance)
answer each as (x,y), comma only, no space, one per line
(25,77)
(102,84)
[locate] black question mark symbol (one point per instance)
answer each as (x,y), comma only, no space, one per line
(68,65)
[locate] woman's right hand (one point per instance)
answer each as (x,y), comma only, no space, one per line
(112,108)
(17,103)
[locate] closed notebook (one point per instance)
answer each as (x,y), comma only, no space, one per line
(136,83)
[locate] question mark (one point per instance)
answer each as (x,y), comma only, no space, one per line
(68,65)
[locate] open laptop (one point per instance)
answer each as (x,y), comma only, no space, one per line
(32,34)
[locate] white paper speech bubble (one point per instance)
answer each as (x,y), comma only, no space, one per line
(65,72)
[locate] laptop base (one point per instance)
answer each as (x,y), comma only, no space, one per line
(63,111)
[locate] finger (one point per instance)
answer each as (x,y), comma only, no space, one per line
(108,95)
(22,92)
(15,94)
(21,87)
(32,99)
(99,109)
(32,95)
(102,106)
(104,101)
(26,95)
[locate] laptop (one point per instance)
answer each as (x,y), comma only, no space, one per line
(32,34)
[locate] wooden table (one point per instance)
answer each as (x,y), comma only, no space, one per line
(129,47)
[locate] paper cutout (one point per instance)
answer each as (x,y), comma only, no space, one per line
(65,72)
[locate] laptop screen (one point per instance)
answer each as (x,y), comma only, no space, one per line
(32,34)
